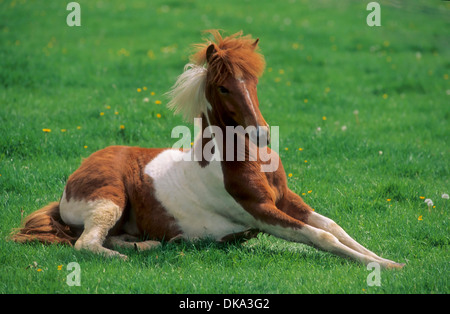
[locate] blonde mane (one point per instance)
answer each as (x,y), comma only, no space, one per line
(235,55)
(187,96)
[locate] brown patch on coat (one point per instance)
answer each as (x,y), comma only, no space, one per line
(265,195)
(117,173)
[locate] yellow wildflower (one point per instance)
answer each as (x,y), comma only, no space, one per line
(158,115)
(123,52)
(63,130)
(151,54)
(46,130)
(122,127)
(420,218)
(139,90)
(102,113)
(60,267)
(290,175)
(158,102)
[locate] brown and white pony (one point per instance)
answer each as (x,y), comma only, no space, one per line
(121,194)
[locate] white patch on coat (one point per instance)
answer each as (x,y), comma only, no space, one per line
(196,196)
(249,99)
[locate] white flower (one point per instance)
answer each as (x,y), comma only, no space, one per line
(344,128)
(445,195)
(430,204)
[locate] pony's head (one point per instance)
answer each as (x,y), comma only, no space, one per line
(221,82)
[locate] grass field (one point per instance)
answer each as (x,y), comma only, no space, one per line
(364,135)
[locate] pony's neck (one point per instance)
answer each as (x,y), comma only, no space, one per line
(204,142)
(216,142)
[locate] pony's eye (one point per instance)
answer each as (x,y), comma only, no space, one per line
(223,90)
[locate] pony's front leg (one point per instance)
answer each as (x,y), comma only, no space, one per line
(294,206)
(281,225)
(324,223)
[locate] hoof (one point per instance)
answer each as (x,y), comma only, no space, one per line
(146,245)
(395,265)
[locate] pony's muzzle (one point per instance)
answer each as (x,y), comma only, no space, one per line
(260,135)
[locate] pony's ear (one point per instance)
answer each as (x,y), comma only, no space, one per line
(209,52)
(255,43)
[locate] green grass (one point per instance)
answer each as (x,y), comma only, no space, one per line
(322,61)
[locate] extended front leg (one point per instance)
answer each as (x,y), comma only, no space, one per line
(280,212)
(324,223)
(273,221)
(283,226)
(295,207)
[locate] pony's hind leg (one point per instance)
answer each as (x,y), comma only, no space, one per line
(101,217)
(131,242)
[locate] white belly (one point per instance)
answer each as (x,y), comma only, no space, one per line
(196,196)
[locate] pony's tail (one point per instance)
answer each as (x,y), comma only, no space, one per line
(45,225)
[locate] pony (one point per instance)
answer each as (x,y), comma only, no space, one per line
(136,197)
